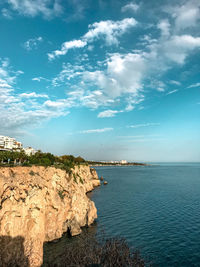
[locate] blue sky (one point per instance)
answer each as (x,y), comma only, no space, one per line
(104,79)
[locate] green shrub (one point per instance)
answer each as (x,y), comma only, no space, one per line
(75,178)
(61,194)
(32,173)
(81,180)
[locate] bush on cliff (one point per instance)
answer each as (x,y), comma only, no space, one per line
(87,251)
(66,162)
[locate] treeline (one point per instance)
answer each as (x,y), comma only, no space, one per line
(9,158)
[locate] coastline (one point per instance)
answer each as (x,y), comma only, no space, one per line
(118,164)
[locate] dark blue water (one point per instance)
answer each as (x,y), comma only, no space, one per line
(157,208)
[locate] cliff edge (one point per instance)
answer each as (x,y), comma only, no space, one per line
(39,204)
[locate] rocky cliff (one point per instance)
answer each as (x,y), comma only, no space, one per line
(39,204)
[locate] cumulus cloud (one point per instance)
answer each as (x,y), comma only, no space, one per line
(103,130)
(133,7)
(109,30)
(121,78)
(164,27)
(65,47)
(32,43)
(177,47)
(123,75)
(186,15)
(46,8)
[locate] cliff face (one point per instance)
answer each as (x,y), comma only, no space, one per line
(38,204)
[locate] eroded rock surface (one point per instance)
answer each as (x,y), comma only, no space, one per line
(39,204)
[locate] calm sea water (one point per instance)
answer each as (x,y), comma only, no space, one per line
(157,208)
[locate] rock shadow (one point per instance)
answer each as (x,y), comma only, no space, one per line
(12,252)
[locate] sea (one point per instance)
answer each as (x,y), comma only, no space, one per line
(156,208)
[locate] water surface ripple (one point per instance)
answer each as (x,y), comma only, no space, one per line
(157,208)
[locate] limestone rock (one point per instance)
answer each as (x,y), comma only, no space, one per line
(39,204)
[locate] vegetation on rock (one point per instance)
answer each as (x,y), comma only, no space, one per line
(90,251)
(66,162)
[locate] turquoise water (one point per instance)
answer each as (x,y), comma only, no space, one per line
(157,208)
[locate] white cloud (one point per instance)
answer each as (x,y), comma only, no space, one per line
(19,111)
(121,78)
(186,15)
(143,125)
(33,95)
(65,47)
(177,47)
(6,13)
(123,75)
(109,30)
(107,113)
(39,79)
(32,43)
(164,26)
(47,8)
(4,84)
(158,85)
(175,82)
(133,7)
(103,130)
(172,92)
(194,85)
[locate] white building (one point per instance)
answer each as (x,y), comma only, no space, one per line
(9,143)
(30,151)
(123,161)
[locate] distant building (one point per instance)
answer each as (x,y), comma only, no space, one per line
(123,161)
(9,143)
(30,151)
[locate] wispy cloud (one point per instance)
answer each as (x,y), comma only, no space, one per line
(46,8)
(175,82)
(19,111)
(33,95)
(194,85)
(39,79)
(143,125)
(32,43)
(6,13)
(131,7)
(108,113)
(103,130)
(172,92)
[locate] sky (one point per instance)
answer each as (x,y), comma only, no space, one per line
(104,79)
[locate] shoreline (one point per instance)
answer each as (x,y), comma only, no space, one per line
(118,164)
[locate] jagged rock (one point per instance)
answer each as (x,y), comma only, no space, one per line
(39,204)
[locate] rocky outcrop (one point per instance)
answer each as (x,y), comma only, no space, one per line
(39,204)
